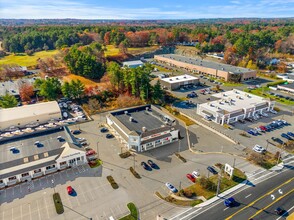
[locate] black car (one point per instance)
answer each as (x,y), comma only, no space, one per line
(278,140)
(279,211)
(145,165)
(103,130)
(248,119)
(108,136)
(152,164)
(212,170)
(241,121)
(76,132)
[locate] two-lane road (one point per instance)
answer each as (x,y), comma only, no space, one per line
(257,202)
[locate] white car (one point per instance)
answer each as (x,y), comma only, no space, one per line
(258,129)
(264,114)
(274,112)
(195,174)
(258,149)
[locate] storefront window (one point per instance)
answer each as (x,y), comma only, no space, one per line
(12,178)
(25,174)
(62,163)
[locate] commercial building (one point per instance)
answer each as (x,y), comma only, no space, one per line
(24,115)
(218,70)
(143,128)
(233,105)
(28,156)
(174,83)
(287,87)
(11,87)
(133,64)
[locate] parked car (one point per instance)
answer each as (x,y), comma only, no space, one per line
(248,119)
(90,152)
(278,140)
(191,177)
(290,133)
(171,187)
(212,170)
(108,136)
(152,164)
(241,121)
(145,165)
(286,136)
(264,114)
(274,112)
(279,211)
(75,132)
(263,128)
(258,149)
(230,202)
(69,190)
(103,130)
(195,174)
(81,140)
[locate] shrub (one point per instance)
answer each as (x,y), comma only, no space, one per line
(137,175)
(206,183)
(180,157)
(125,154)
(276,83)
(112,182)
(277,109)
(58,203)
(189,193)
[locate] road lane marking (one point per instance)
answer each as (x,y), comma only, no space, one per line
(248,196)
(250,204)
(278,199)
(226,208)
(273,197)
(287,212)
(280,191)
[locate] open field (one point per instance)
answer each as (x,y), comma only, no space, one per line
(24,60)
(85,81)
(113,51)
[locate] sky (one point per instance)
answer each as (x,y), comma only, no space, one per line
(145,9)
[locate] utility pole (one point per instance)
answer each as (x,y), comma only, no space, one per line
(134,161)
(266,144)
(234,162)
(280,154)
(219,181)
(52,181)
(179,146)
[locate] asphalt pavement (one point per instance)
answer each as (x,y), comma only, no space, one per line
(256,202)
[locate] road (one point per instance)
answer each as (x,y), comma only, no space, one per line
(275,189)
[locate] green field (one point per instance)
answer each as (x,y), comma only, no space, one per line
(24,60)
(113,51)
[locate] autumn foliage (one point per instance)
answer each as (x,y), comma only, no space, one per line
(26,91)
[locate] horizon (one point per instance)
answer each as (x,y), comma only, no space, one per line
(151,10)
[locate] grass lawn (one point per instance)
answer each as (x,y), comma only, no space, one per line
(23,59)
(267,160)
(113,51)
(134,212)
(85,81)
(230,84)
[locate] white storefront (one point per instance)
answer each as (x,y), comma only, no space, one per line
(70,156)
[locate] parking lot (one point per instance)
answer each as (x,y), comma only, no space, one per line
(95,197)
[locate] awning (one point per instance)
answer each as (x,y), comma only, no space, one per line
(207,113)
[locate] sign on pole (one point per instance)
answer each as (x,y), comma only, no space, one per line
(229,170)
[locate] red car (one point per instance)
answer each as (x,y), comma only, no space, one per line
(90,152)
(262,128)
(190,177)
(69,190)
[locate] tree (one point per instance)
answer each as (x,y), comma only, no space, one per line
(49,88)
(115,74)
(74,89)
(26,91)
(8,101)
(157,92)
(251,65)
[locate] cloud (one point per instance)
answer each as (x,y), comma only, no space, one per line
(87,10)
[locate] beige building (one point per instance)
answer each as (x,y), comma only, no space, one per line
(174,83)
(218,70)
(23,115)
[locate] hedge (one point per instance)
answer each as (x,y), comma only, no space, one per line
(58,203)
(112,182)
(125,154)
(180,157)
(276,83)
(137,175)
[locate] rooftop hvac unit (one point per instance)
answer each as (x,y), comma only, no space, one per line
(126,112)
(131,119)
(144,129)
(147,108)
(177,78)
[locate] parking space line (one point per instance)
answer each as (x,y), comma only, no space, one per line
(30,212)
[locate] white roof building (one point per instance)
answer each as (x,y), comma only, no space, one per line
(133,64)
(233,105)
(175,82)
(35,113)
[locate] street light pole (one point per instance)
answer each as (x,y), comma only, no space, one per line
(179,146)
(52,181)
(266,145)
(280,154)
(134,161)
(219,181)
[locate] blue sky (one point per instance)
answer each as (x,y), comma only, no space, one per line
(151,9)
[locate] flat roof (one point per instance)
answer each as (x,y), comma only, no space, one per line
(150,119)
(232,101)
(207,63)
(12,86)
(130,63)
(27,147)
(177,79)
(26,111)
